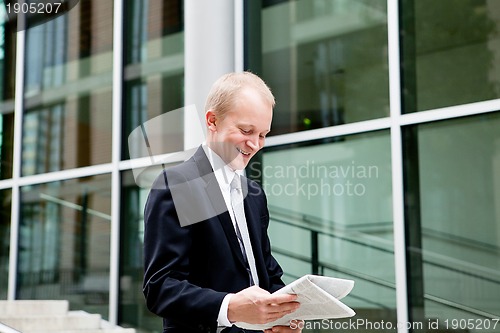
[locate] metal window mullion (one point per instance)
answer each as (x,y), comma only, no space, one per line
(449,112)
(116,156)
(7,184)
(16,165)
(67,174)
(420,117)
(332,131)
(397,165)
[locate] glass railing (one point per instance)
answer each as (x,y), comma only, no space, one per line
(460,292)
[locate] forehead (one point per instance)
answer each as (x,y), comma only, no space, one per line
(251,108)
(252,100)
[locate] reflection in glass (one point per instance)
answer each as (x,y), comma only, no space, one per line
(133,311)
(64,242)
(6,144)
(154,67)
(453,199)
(450,52)
(7,87)
(68,90)
(325,61)
(5,209)
(330,205)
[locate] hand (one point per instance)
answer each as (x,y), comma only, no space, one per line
(295,327)
(254,305)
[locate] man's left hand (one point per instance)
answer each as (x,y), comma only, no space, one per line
(295,327)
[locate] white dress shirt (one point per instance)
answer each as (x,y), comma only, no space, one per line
(224,175)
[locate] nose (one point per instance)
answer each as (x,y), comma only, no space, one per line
(253,143)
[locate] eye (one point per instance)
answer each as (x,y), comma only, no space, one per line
(244,131)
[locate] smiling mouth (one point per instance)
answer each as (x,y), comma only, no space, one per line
(243,152)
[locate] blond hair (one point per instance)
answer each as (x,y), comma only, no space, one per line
(227,88)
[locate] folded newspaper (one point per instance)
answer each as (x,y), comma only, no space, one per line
(319,298)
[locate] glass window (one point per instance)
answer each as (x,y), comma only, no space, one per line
(133,311)
(154,85)
(324,60)
(7,89)
(330,205)
(68,90)
(154,70)
(64,242)
(452,173)
(5,209)
(450,52)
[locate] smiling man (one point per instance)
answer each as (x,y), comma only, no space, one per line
(208,261)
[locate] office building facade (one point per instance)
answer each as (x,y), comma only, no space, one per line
(382,166)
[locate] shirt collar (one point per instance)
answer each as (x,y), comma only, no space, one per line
(223,173)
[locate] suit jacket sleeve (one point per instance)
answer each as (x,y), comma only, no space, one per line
(167,289)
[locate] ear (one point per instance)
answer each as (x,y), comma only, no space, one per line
(211,120)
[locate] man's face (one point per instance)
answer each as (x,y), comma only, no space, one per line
(241,133)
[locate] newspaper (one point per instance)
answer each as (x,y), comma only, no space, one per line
(319,298)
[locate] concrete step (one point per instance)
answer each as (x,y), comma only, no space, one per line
(7,329)
(52,316)
(23,308)
(74,320)
(103,330)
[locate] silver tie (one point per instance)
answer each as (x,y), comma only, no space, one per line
(241,227)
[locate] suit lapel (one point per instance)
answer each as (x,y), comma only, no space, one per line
(217,200)
(215,195)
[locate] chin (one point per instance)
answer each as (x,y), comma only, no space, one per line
(238,164)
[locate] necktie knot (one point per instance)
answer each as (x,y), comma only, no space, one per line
(236,183)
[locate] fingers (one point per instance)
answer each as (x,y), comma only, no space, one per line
(283,308)
(275,314)
(256,305)
(282,304)
(282,298)
(275,311)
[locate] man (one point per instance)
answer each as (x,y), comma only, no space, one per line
(207,268)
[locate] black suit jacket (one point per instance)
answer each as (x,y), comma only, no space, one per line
(191,266)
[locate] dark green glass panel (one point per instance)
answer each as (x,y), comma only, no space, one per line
(5,222)
(330,204)
(453,223)
(325,61)
(449,52)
